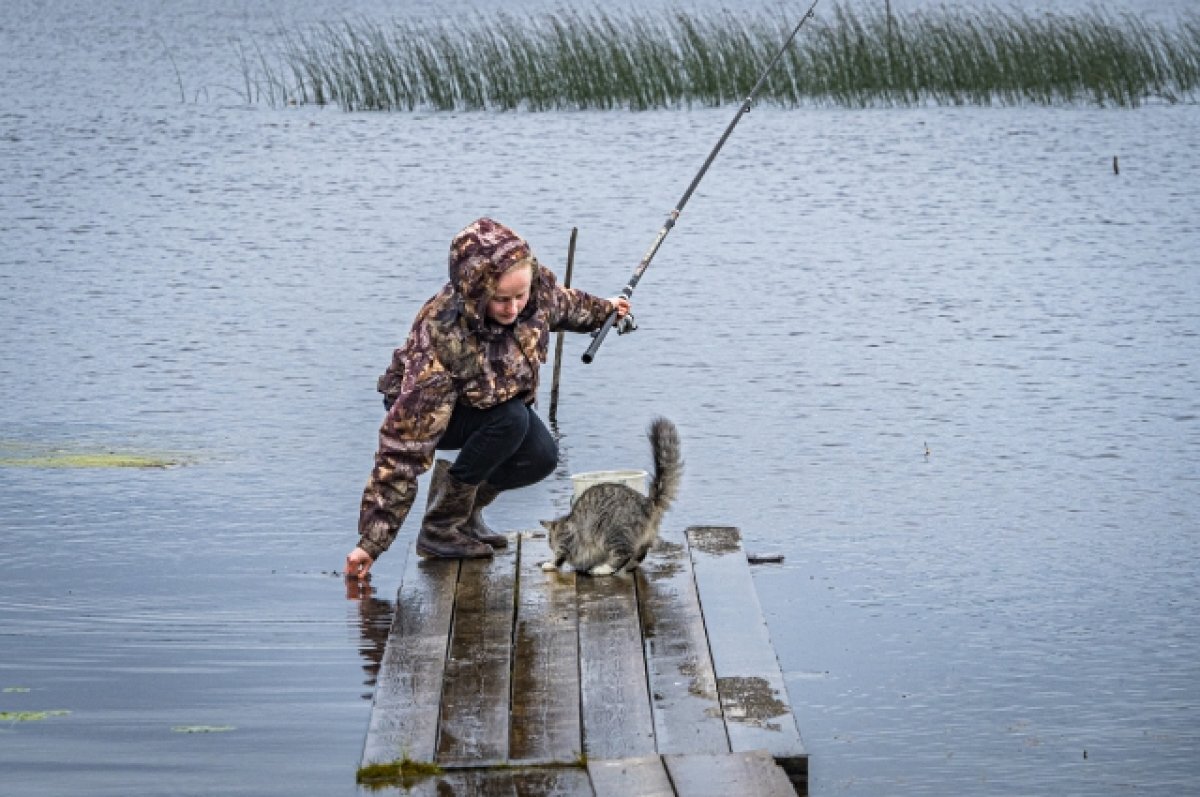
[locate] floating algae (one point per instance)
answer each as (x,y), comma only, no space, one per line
(31,455)
(30,716)
(105,460)
(403,770)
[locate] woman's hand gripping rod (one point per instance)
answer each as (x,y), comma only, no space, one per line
(627,324)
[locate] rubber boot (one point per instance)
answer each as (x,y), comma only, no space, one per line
(475,527)
(449,506)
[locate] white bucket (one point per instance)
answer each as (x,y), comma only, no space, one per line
(635,479)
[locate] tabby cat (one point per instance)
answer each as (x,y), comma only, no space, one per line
(611,527)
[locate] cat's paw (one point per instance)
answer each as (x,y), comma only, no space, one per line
(548,566)
(601,570)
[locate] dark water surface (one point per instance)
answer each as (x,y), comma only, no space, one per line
(944,359)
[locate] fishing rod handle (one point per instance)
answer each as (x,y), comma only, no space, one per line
(598,338)
(627,291)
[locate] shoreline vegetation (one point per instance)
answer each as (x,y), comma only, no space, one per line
(571,60)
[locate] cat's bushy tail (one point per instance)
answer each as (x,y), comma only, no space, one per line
(668,464)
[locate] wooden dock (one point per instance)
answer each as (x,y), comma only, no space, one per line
(500,678)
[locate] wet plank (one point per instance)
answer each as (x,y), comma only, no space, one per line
(408,689)
(687,713)
(475,695)
(753,696)
(645,777)
(616,702)
(511,678)
(753,773)
(546,724)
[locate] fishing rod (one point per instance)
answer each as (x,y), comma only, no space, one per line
(599,335)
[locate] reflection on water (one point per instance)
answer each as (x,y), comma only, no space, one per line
(845,289)
(374,623)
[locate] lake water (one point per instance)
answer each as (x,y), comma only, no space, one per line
(944,359)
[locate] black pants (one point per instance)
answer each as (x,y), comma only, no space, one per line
(506,445)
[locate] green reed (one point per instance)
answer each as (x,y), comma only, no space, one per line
(670,59)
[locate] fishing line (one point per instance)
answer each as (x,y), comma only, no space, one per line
(743,109)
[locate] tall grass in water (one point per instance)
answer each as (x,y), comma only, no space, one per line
(596,59)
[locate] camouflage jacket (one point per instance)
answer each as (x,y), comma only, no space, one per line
(455,354)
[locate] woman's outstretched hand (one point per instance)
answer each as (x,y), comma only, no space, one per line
(358,564)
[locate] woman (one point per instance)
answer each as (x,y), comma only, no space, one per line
(466,380)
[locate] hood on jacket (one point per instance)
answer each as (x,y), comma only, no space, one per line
(480,254)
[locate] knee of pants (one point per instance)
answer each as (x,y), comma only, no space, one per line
(536,460)
(509,420)
(543,460)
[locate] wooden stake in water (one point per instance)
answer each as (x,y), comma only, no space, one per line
(558,343)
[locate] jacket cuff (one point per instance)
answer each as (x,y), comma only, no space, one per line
(372,548)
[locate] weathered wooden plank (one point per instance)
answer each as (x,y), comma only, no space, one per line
(515,782)
(475,696)
(644,777)
(754,698)
(546,724)
(617,722)
(619,667)
(408,688)
(728,774)
(683,688)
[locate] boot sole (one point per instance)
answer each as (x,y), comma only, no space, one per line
(425,553)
